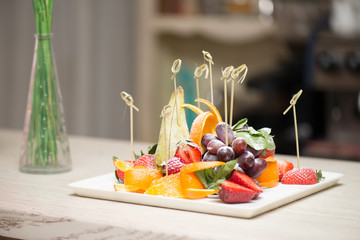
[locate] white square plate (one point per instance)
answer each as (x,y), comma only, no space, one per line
(102,187)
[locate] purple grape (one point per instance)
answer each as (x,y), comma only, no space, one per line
(208,157)
(253,150)
(256,169)
(225,154)
(220,132)
(239,145)
(246,160)
(239,169)
(214,145)
(207,138)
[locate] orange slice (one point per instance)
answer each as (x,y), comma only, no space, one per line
(213,109)
(270,176)
(168,186)
(198,193)
(141,178)
(194,108)
(124,188)
(121,165)
(197,166)
(190,180)
(204,123)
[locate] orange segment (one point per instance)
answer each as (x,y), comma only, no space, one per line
(213,109)
(194,108)
(204,123)
(270,176)
(141,178)
(121,165)
(124,188)
(168,186)
(198,193)
(197,166)
(190,180)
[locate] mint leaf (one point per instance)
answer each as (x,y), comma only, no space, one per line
(240,124)
(256,141)
(211,179)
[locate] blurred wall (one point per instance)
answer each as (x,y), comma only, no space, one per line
(93,47)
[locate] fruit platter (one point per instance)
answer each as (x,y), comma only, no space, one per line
(214,167)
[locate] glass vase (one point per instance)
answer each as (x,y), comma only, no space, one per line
(45,146)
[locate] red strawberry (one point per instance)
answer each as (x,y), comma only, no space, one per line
(246,181)
(189,152)
(302,176)
(283,167)
(174,165)
(267,153)
(147,160)
(119,175)
(234,193)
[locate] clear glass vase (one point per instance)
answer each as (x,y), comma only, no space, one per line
(45,147)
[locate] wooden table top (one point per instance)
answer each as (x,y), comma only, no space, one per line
(44,207)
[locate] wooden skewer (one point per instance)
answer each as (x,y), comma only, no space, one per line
(208,58)
(234,75)
(175,69)
(165,113)
(197,74)
(292,105)
(225,74)
(130,102)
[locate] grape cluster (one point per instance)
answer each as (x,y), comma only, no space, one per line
(237,148)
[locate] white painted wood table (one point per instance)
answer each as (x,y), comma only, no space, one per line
(44,207)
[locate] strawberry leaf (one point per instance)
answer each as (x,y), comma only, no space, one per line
(319,175)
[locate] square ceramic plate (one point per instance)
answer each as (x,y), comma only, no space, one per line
(102,187)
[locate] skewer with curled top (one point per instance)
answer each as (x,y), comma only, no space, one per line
(243,69)
(292,105)
(175,69)
(199,71)
(165,113)
(209,59)
(130,102)
(225,75)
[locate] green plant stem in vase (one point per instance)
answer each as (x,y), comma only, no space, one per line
(45,147)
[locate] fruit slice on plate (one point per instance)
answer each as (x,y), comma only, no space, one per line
(168,186)
(204,123)
(193,193)
(213,109)
(141,177)
(124,188)
(121,165)
(270,176)
(197,166)
(176,124)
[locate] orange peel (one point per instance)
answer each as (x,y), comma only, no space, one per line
(270,176)
(197,166)
(121,165)
(193,193)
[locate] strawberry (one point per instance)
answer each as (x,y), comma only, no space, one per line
(189,152)
(302,176)
(283,167)
(147,160)
(234,193)
(246,181)
(174,165)
(267,153)
(119,175)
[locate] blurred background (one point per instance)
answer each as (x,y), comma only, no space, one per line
(105,47)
